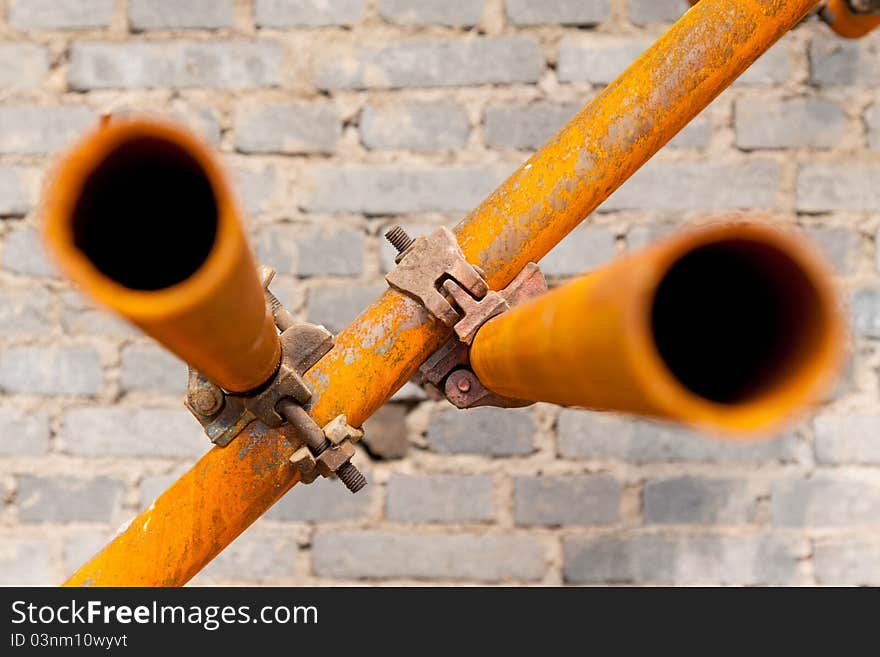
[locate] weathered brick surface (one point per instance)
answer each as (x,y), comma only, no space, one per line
(434,63)
(114,431)
(572,500)
(25,562)
(564,12)
(17,190)
(415,126)
(50,370)
(428,12)
(439,498)
(788,123)
(179,64)
(849,563)
(410,555)
(24,311)
(22,65)
(847,438)
(658,559)
(383,189)
(68,499)
(489,431)
(314,128)
(59,14)
(825,501)
(166,14)
(587,435)
(23,432)
(307,13)
(338,118)
(698,501)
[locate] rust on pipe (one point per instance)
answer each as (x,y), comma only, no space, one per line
(521,221)
(141,216)
(732,328)
(846,23)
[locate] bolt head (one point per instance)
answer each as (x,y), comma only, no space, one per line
(464,385)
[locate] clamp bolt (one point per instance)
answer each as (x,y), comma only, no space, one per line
(399,238)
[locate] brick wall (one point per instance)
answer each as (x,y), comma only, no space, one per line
(340,117)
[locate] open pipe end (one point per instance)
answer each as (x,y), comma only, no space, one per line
(745,322)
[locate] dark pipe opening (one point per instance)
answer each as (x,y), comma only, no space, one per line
(147,216)
(734,318)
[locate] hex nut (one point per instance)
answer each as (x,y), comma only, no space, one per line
(304,462)
(331,459)
(338,429)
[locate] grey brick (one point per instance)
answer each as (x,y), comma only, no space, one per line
(825,186)
(640,237)
(118,431)
(489,431)
(454,13)
(389,189)
(866,312)
(335,307)
(696,134)
(22,65)
(439,498)
(587,435)
(340,253)
(697,500)
(219,63)
(563,12)
(585,248)
(255,186)
(773,67)
(663,185)
(60,14)
(314,128)
(260,554)
(24,311)
(428,556)
(80,317)
(385,435)
(655,559)
(23,253)
(308,13)
(847,562)
(642,12)
(526,127)
(276,246)
(152,369)
(788,123)
(850,438)
(30,129)
(18,189)
(50,370)
(163,14)
(572,500)
(79,547)
(872,121)
(23,432)
(597,58)
(835,61)
(841,246)
(25,562)
(68,499)
(434,63)
(825,502)
(153,486)
(322,501)
(414,126)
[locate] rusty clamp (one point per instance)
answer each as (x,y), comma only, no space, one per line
(433,271)
(326,451)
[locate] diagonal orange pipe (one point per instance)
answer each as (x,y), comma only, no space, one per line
(604,144)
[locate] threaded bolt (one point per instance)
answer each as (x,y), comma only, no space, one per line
(351,477)
(399,238)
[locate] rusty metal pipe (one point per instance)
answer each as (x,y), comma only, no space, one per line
(732,328)
(533,210)
(141,216)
